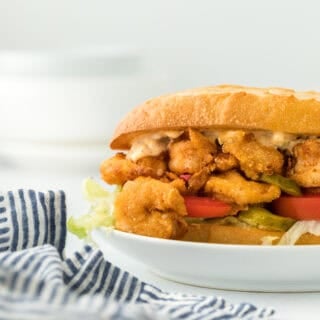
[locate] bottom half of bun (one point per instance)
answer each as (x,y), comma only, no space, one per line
(229,234)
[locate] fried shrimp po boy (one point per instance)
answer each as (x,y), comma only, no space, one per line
(224,164)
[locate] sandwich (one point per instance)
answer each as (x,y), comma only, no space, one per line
(223,164)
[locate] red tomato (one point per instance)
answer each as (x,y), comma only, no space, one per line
(203,207)
(306,207)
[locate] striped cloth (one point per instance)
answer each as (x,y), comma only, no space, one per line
(37,282)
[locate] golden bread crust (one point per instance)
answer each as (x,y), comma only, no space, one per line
(228,234)
(223,107)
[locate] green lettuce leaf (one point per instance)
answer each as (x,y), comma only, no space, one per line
(100,213)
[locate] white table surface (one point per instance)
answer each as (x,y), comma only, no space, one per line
(288,306)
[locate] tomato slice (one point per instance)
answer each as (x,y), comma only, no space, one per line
(203,207)
(305,207)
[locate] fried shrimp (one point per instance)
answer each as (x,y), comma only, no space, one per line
(305,167)
(198,180)
(152,208)
(192,155)
(180,185)
(225,162)
(254,158)
(118,169)
(232,187)
(158,165)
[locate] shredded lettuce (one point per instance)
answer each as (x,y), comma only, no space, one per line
(298,229)
(100,213)
(268,240)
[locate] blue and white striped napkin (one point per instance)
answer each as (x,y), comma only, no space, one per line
(37,282)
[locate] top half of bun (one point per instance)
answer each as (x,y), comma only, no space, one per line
(223,107)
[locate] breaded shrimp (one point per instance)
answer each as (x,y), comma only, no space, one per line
(118,169)
(157,164)
(152,208)
(198,180)
(232,187)
(192,155)
(180,185)
(254,158)
(305,167)
(225,162)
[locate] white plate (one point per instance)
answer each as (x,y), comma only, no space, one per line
(231,267)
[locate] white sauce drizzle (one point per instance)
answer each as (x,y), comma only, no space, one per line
(152,144)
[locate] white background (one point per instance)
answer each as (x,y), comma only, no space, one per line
(204,42)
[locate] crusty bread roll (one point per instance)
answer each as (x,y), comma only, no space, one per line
(223,107)
(229,234)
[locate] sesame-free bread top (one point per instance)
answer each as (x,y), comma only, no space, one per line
(223,107)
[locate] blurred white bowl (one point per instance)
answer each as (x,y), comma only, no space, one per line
(70,99)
